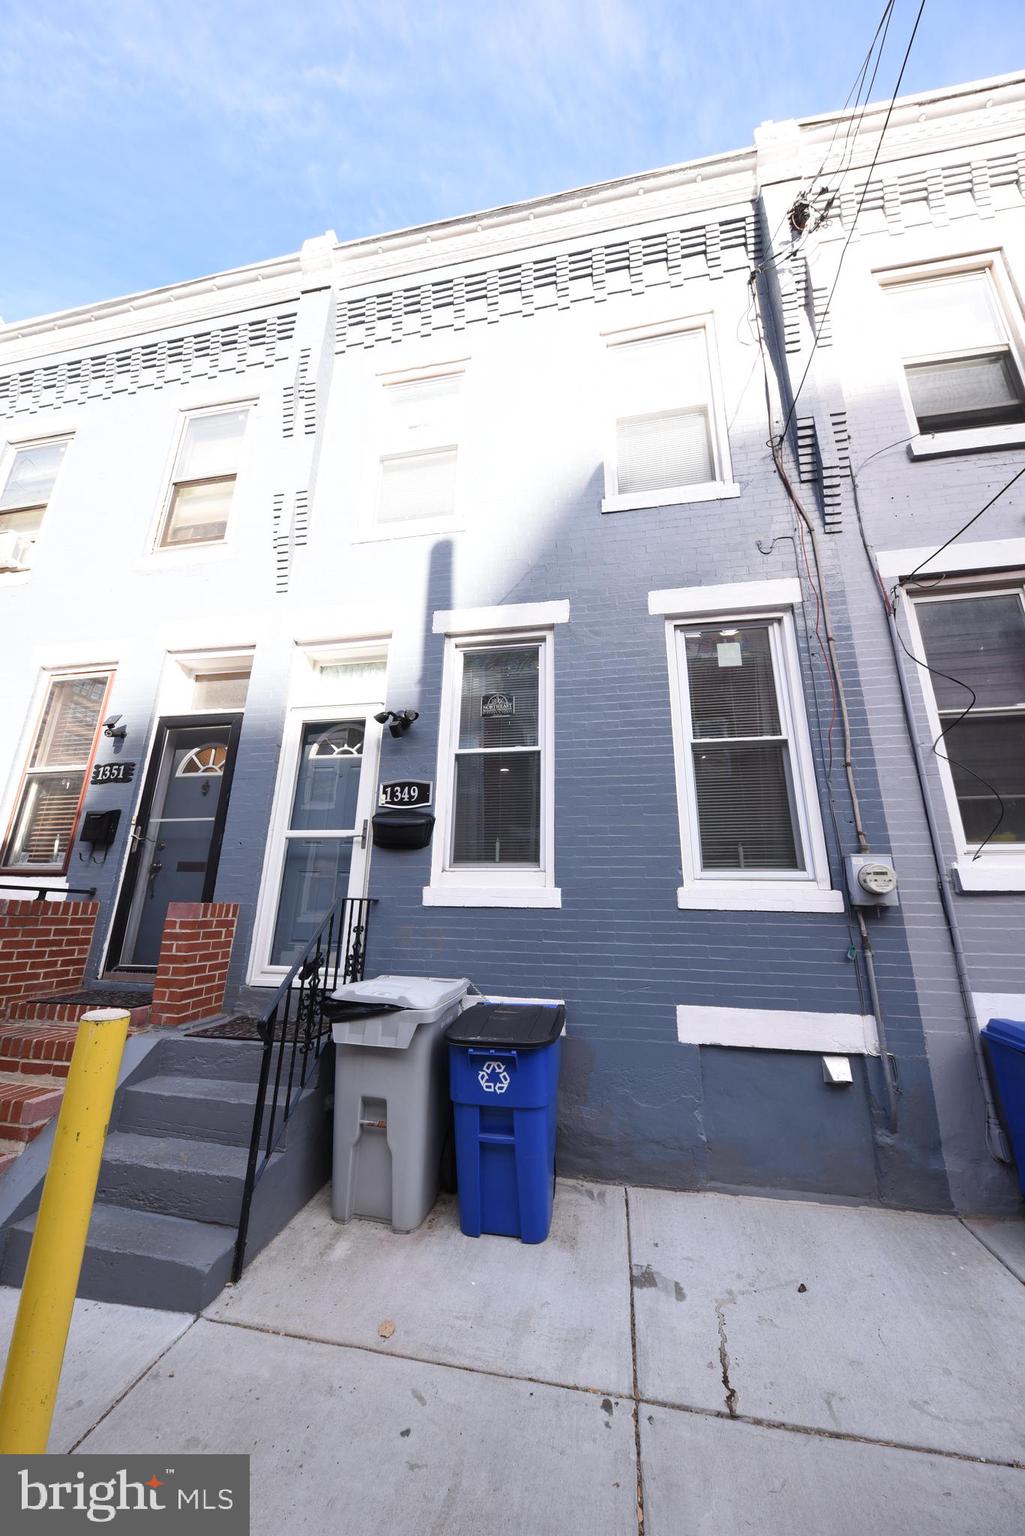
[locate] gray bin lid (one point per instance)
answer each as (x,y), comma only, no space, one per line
(403,1004)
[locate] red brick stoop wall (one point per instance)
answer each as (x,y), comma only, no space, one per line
(195,952)
(44,946)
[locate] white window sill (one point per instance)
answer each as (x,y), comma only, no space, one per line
(482,896)
(15,576)
(185,554)
(934,445)
(990,874)
(772,896)
(384,532)
(678,496)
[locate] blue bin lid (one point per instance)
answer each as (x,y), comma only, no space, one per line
(1006,1032)
(519,1026)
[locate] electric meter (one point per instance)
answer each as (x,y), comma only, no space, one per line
(877,879)
(871,880)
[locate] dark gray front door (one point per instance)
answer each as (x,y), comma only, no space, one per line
(178,836)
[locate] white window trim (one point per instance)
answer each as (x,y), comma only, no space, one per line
(929,445)
(1000,866)
(723,486)
(505,618)
(484,886)
(778,1029)
(47,676)
(260,972)
(8,454)
(983,555)
(808,890)
(368,529)
(686,603)
(159,555)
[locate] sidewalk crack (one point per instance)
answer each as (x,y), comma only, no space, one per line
(724,1361)
(633,1357)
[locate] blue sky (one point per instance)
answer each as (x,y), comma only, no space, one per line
(146,141)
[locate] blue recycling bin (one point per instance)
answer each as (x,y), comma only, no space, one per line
(504,1078)
(1005,1046)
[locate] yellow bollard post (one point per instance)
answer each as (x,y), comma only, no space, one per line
(34,1362)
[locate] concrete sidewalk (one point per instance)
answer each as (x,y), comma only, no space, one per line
(715,1363)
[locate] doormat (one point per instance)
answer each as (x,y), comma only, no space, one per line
(99,997)
(244,1026)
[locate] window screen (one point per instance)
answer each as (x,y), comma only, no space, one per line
(978,644)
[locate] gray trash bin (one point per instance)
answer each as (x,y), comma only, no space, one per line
(391,1095)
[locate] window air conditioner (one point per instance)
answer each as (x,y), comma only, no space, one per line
(15,550)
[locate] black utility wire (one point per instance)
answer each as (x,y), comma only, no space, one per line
(854,222)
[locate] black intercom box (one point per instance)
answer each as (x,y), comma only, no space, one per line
(403,829)
(99,828)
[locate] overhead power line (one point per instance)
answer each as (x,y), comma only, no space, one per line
(854,221)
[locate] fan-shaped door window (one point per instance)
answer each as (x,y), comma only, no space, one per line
(209,760)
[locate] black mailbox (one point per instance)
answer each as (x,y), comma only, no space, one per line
(403,829)
(99,828)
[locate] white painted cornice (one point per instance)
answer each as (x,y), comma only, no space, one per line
(960,118)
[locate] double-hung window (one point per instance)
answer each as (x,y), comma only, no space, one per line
(668,439)
(26,493)
(203,478)
(53,783)
(974,645)
(419,453)
(750,828)
(962,364)
(494,842)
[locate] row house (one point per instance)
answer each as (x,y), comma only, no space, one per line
(721,743)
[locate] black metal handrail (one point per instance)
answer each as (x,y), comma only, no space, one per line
(294,1030)
(42,891)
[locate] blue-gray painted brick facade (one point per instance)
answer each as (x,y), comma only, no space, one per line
(636,1103)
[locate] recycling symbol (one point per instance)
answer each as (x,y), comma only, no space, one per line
(493,1077)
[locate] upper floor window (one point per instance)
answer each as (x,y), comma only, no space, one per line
(203,478)
(974,644)
(53,783)
(419,452)
(668,434)
(26,494)
(961,359)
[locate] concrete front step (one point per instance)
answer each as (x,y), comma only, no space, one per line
(36,1046)
(203,1108)
(226,1060)
(27,1104)
(140,1258)
(197,1180)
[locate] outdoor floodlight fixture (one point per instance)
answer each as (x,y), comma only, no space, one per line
(398,721)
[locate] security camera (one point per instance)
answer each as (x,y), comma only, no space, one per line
(111,727)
